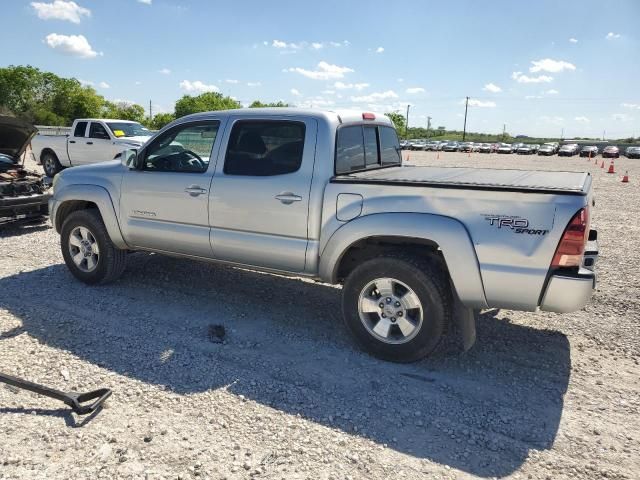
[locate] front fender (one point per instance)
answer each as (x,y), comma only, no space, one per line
(449,234)
(88,193)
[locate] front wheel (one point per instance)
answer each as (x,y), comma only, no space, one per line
(397,307)
(87,248)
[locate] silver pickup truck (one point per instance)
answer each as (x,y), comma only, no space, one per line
(324,195)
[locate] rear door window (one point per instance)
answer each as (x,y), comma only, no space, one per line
(81,128)
(350,149)
(264,148)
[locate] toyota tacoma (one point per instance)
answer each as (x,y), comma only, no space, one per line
(324,195)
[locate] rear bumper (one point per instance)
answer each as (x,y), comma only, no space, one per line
(567,293)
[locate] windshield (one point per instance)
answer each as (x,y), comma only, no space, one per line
(128,129)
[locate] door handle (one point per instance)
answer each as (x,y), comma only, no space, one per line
(89,143)
(195,190)
(288,198)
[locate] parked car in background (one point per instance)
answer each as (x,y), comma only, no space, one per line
(524,149)
(432,146)
(92,140)
(419,145)
(466,147)
(485,148)
(569,150)
(23,193)
(554,145)
(589,151)
(315,194)
(547,150)
(611,151)
(505,148)
(404,145)
(632,152)
(450,147)
(535,147)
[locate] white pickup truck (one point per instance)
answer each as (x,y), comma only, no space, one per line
(91,140)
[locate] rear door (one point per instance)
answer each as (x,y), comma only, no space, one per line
(77,141)
(96,147)
(259,202)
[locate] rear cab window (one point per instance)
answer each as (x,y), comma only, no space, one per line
(364,147)
(81,128)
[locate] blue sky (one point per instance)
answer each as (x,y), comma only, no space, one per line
(536,66)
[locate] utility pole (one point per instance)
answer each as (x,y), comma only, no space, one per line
(562,134)
(406,125)
(428,125)
(464,131)
(504,130)
(603,134)
(150,112)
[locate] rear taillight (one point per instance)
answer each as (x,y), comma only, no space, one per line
(571,247)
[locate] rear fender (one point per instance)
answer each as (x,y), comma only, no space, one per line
(449,234)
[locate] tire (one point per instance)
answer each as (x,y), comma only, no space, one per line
(425,279)
(108,261)
(50,164)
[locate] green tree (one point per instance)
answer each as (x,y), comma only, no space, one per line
(399,121)
(259,104)
(124,111)
(160,120)
(205,102)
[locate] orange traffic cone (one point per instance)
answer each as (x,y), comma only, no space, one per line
(611,169)
(602,164)
(625,178)
(469,154)
(438,156)
(596,161)
(589,155)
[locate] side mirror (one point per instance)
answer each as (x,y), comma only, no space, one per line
(129,158)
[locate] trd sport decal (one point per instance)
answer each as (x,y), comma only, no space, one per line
(514,224)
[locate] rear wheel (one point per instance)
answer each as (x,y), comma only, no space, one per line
(50,164)
(397,307)
(87,248)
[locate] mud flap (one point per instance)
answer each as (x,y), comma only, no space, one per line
(465,321)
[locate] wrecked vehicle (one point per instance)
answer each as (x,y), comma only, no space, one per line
(23,193)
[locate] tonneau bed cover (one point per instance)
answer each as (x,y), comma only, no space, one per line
(575,183)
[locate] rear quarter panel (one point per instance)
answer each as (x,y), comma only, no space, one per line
(513,263)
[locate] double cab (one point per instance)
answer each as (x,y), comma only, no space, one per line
(325,195)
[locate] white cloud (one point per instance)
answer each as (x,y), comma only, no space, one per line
(621,117)
(281,44)
(348,86)
(552,120)
(317,45)
(146,2)
(138,82)
(328,92)
(521,78)
(104,85)
(582,119)
(86,83)
(197,87)
(549,65)
(316,102)
(634,106)
(533,97)
(76,45)
(573,40)
(400,80)
(295,92)
(374,97)
(60,10)
(479,103)
(164,71)
(492,87)
(254,84)
(611,36)
(379,49)
(415,90)
(231,81)
(324,71)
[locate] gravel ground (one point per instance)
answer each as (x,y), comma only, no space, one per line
(289,396)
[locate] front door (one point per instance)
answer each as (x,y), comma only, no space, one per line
(259,202)
(164,205)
